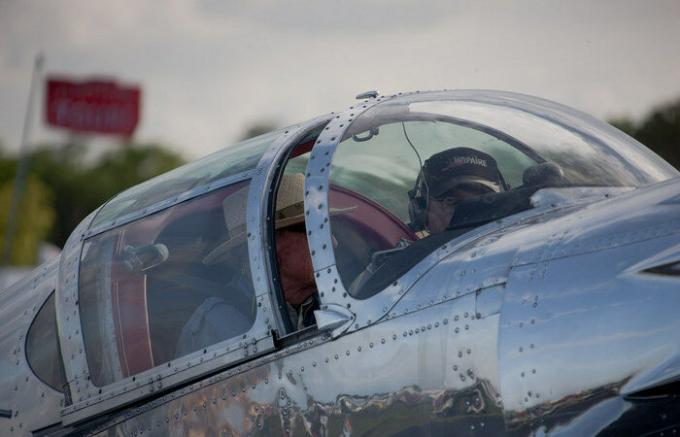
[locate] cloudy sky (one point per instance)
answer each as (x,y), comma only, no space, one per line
(209,68)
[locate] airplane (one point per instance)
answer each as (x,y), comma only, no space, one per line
(472,263)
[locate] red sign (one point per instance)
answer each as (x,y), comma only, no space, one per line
(93,106)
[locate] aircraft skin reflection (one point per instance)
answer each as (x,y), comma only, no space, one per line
(547,305)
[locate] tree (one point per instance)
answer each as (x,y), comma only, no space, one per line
(659,130)
(79,188)
(64,187)
(36,219)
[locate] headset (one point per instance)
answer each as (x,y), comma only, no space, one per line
(419,195)
(418,198)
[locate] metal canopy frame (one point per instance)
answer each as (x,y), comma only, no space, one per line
(340,311)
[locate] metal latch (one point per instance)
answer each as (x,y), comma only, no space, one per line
(334,318)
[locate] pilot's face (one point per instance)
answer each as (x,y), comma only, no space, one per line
(295,265)
(440,210)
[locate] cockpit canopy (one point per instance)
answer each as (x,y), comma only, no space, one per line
(518,145)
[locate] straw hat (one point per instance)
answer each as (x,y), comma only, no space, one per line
(290,210)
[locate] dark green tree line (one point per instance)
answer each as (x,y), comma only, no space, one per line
(659,130)
(63,187)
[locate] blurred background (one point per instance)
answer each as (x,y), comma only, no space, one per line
(208,73)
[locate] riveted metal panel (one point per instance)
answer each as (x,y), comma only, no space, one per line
(580,332)
(414,373)
(30,402)
(606,224)
(68,316)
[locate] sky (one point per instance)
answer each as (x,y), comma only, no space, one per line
(210,68)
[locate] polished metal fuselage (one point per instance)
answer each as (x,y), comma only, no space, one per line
(546,326)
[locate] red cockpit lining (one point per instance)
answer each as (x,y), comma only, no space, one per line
(129,293)
(368,228)
(371,215)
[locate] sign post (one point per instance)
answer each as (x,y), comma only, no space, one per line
(22,167)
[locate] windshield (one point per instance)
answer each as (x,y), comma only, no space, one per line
(222,164)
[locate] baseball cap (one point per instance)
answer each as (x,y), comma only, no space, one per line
(460,166)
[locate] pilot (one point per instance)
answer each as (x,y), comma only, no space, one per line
(292,251)
(446,179)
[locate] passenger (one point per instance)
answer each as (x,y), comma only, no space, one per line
(294,261)
(446,179)
(193,303)
(292,251)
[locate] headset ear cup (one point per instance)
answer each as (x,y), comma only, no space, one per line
(417,206)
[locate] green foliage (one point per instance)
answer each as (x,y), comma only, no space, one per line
(79,188)
(660,131)
(36,216)
(72,187)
